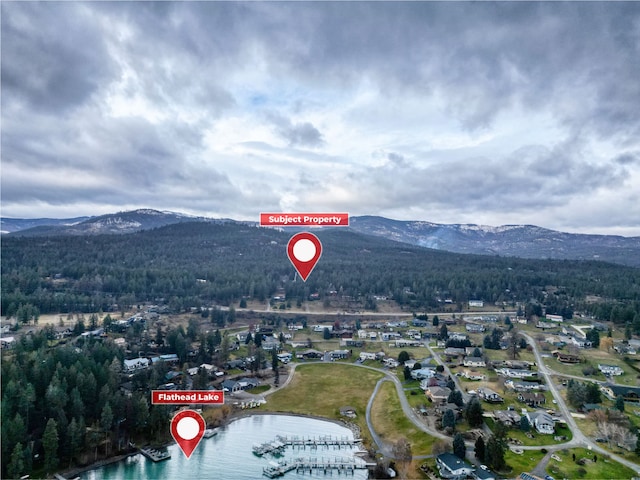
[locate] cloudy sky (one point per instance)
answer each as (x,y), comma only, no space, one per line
(446,112)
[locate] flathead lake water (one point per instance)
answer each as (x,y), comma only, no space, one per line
(229,454)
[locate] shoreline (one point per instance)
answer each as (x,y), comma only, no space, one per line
(74,472)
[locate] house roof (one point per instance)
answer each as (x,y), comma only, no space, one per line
(452,462)
(482,474)
(439,391)
(540,417)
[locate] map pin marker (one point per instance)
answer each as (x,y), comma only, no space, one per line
(187,429)
(304,250)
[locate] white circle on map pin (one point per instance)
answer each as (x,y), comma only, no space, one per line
(188,428)
(304,250)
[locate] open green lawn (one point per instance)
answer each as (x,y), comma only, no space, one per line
(322,388)
(391,423)
(598,469)
(523,463)
(538,438)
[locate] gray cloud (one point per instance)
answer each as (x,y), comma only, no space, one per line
(127,100)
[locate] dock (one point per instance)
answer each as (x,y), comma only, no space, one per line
(155,454)
(277,446)
(339,465)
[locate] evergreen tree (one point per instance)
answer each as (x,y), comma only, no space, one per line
(16,465)
(494,453)
(274,364)
(593,394)
(455,397)
(459,448)
(619,403)
(50,445)
(525,426)
(407,373)
(435,321)
(403,356)
(473,413)
(480,449)
(326,334)
(444,332)
(449,419)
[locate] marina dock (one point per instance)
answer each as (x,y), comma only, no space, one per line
(339,465)
(155,454)
(277,446)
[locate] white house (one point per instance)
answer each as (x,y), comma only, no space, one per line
(474,362)
(422,373)
(476,303)
(610,369)
(451,466)
(555,318)
(367,356)
(542,421)
(136,364)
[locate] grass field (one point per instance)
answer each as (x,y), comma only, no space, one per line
(599,469)
(321,389)
(523,463)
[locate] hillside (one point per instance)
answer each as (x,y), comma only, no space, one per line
(526,241)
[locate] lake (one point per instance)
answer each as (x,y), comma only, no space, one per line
(229,454)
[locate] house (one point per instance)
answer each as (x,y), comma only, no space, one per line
(489,395)
(437,394)
(422,373)
(476,303)
(473,376)
(515,373)
(404,342)
(609,370)
(555,318)
(517,364)
(566,357)
(484,474)
(309,354)
(239,384)
(136,364)
(524,386)
(271,343)
(452,467)
(474,362)
(168,358)
(387,336)
(242,336)
(508,417)
(285,357)
(474,328)
(339,354)
(390,362)
(580,342)
(368,356)
(541,421)
(629,394)
(454,352)
(533,399)
(458,337)
(7,342)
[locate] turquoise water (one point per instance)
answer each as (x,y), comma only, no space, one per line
(229,454)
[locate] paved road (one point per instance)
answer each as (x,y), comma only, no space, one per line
(579,439)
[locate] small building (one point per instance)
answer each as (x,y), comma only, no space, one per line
(484,474)
(508,417)
(474,328)
(474,362)
(136,364)
(476,303)
(422,373)
(7,342)
(437,394)
(533,399)
(339,354)
(368,356)
(391,362)
(555,318)
(489,395)
(452,467)
(567,357)
(610,370)
(542,422)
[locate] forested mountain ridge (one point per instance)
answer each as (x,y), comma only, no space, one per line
(526,241)
(198,263)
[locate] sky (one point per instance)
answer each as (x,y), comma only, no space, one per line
(454,112)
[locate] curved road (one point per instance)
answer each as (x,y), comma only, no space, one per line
(578,440)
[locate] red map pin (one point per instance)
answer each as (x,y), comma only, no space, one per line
(187,429)
(304,250)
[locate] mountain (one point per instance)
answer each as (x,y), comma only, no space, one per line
(10,225)
(526,241)
(121,222)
